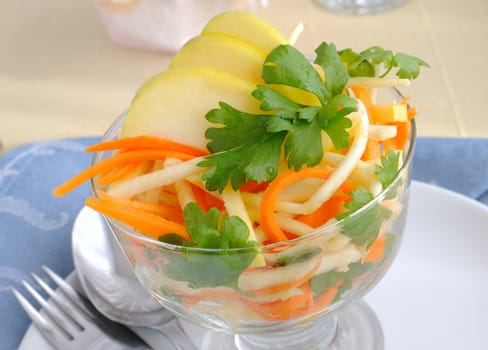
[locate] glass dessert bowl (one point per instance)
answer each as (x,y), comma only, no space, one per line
(303,293)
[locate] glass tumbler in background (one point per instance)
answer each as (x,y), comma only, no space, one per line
(163,25)
(360,7)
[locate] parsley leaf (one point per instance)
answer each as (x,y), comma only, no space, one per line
(365,226)
(256,161)
(332,118)
(285,65)
(246,150)
(409,66)
(389,168)
(303,144)
(248,146)
(211,268)
(367,63)
(321,282)
(336,76)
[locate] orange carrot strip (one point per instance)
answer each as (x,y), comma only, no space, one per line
(146,142)
(272,193)
(146,223)
(372,150)
(115,161)
(363,94)
(253,187)
(403,132)
(207,200)
(327,211)
(166,211)
(200,197)
(117,174)
(282,309)
(377,251)
(389,113)
(411,111)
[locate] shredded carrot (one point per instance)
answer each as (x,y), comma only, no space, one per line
(402,135)
(327,211)
(362,94)
(377,251)
(166,211)
(372,151)
(388,113)
(206,200)
(411,111)
(146,223)
(146,142)
(283,309)
(254,187)
(117,174)
(114,161)
(272,193)
(200,197)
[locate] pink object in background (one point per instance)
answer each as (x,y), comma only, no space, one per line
(163,25)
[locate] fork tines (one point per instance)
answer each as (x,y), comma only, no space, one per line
(69,321)
(65,318)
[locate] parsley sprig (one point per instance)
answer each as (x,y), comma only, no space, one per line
(367,63)
(248,146)
(211,268)
(364,227)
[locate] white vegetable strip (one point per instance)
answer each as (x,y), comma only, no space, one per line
(159,178)
(184,193)
(336,244)
(339,260)
(374,82)
(336,158)
(382,132)
(235,206)
(257,279)
(293,226)
(340,174)
(152,196)
(296,33)
(375,187)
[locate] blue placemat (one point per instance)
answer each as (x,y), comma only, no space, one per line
(35,228)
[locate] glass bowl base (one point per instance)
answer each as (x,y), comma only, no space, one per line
(353,327)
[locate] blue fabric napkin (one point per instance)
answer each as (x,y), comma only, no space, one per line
(35,228)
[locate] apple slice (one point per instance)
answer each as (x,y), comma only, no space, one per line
(247,27)
(224,53)
(173,104)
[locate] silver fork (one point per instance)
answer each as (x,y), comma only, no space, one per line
(71,322)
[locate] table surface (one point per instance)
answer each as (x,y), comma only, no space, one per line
(62,76)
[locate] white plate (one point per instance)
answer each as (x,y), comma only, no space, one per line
(434,296)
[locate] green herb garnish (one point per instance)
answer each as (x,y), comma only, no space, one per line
(388,169)
(364,227)
(248,147)
(367,63)
(320,283)
(209,268)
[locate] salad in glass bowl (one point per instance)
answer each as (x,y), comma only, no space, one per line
(257,191)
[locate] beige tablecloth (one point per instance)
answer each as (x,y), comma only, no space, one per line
(61,75)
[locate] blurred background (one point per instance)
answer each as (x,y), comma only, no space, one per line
(62,73)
